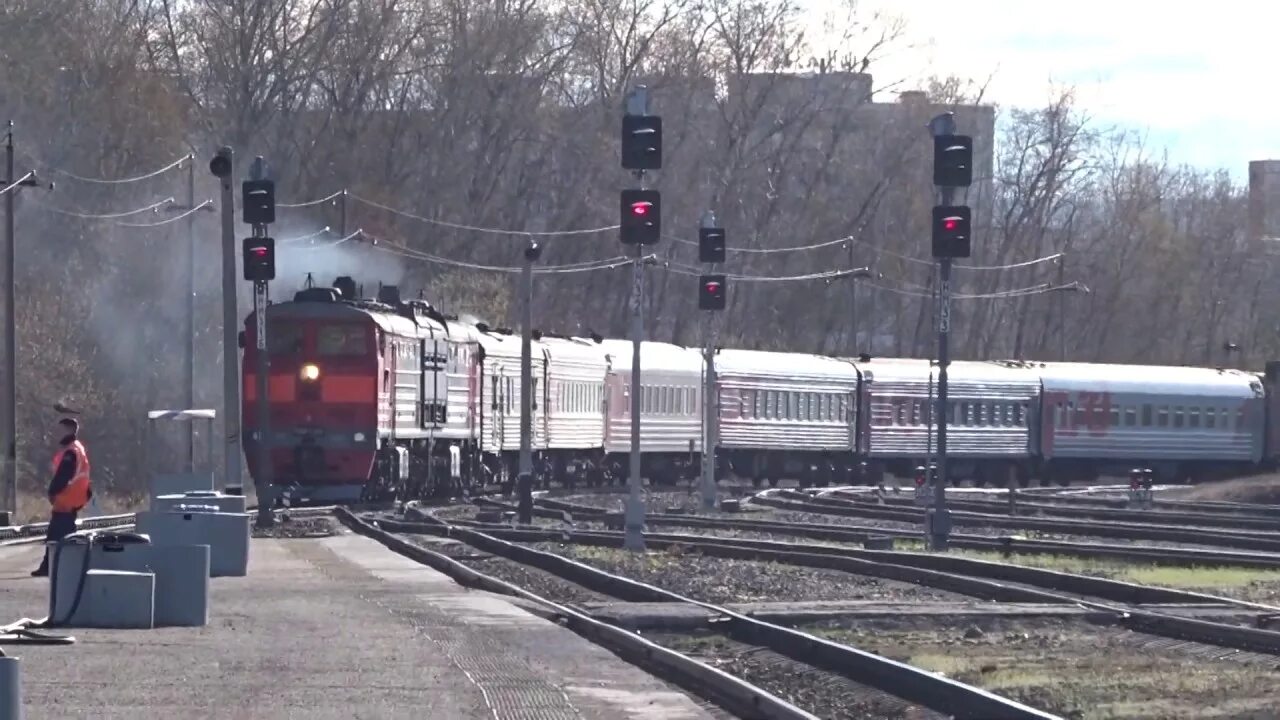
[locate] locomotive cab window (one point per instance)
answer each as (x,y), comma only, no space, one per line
(284,338)
(348,339)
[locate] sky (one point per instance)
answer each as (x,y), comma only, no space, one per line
(1198,78)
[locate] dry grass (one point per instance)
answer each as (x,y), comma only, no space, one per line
(1262,490)
(1073,669)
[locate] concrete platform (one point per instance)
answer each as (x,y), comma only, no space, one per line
(335,628)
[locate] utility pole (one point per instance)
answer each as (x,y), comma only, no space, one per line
(259,203)
(9,412)
(855,274)
(342,214)
(189,317)
(1062,309)
(853,304)
(952,168)
(524,482)
(188,332)
(222,166)
(639,225)
(712,249)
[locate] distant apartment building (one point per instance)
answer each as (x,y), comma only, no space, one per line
(1264,199)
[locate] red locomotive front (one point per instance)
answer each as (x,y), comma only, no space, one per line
(323,398)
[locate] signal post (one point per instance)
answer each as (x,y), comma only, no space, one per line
(259,203)
(524,482)
(952,169)
(711,298)
(640,224)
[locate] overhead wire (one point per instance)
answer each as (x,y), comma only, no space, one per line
(105,216)
(303,238)
(568,268)
(855,240)
(479,229)
(173,219)
(309,203)
(332,243)
(125,180)
(18,182)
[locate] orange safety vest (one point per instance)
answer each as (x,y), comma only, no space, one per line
(75,495)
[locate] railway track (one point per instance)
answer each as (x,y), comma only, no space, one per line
(725,690)
(1260,541)
(976,578)
(1022,507)
(1056,499)
(1009,546)
(912,684)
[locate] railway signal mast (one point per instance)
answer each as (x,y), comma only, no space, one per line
(524,483)
(222,166)
(712,291)
(952,169)
(640,224)
(259,204)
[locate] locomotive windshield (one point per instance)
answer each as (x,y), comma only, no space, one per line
(284,338)
(343,339)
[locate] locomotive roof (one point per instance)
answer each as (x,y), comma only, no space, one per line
(1148,379)
(653,355)
(787,365)
(385,317)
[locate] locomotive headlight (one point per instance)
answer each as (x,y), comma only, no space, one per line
(309,372)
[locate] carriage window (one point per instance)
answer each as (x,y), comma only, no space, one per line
(1017,415)
(1162,417)
(1115,417)
(1240,419)
(1193,417)
(759,398)
(1130,417)
(1146,416)
(1177,416)
(1210,417)
(341,340)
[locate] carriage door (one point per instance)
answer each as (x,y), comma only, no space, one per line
(435,379)
(499,408)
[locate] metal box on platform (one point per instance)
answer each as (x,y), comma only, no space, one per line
(210,498)
(95,597)
(181,573)
(226,534)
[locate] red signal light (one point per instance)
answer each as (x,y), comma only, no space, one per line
(950,223)
(713,287)
(259,251)
(640,208)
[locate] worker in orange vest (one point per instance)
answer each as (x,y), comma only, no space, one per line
(69,491)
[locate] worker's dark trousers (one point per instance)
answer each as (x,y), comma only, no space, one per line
(61,524)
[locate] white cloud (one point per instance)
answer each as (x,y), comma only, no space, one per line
(1199,76)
